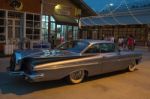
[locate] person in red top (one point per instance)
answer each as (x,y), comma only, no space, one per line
(62,39)
(130,43)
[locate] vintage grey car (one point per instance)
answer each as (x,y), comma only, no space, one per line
(76,60)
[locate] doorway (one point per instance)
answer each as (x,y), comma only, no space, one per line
(14,32)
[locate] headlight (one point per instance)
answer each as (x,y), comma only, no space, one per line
(18,57)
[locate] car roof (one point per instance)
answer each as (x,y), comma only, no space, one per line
(95,41)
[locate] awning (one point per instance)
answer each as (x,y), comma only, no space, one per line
(65,20)
(141,16)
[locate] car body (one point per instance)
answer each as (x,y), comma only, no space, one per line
(76,59)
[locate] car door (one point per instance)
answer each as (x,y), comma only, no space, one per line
(94,51)
(110,57)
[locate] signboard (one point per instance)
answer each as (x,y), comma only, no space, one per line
(62,12)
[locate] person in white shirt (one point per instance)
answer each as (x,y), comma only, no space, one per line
(112,39)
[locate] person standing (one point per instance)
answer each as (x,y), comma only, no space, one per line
(112,39)
(148,44)
(120,42)
(131,43)
(52,42)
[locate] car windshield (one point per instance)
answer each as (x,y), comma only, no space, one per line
(74,46)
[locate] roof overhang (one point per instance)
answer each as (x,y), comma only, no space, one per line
(141,16)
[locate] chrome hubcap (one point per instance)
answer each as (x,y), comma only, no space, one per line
(77,75)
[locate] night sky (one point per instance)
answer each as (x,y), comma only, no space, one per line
(99,5)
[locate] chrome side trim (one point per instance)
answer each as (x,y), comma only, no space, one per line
(63,66)
(64,62)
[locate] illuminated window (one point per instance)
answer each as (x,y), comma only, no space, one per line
(52,19)
(45,25)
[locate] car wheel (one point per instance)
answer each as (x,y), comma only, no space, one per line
(132,67)
(76,76)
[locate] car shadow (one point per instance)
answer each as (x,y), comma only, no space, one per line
(19,86)
(103,76)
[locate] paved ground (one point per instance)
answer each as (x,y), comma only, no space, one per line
(118,85)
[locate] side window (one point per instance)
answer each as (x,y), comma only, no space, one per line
(107,48)
(93,49)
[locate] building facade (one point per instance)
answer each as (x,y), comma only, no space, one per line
(141,33)
(39,20)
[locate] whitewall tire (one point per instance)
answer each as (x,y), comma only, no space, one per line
(76,77)
(132,67)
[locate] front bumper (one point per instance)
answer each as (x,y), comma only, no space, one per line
(35,77)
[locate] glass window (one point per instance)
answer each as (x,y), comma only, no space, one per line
(17,22)
(29,24)
(75,32)
(52,19)
(64,31)
(33,26)
(2,14)
(2,22)
(74,46)
(2,38)
(10,22)
(101,48)
(36,37)
(45,26)
(107,48)
(59,30)
(45,18)
(93,49)
(36,31)
(17,32)
(37,18)
(45,34)
(53,26)
(2,35)
(29,31)
(10,32)
(2,30)
(37,25)
(29,16)
(70,33)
